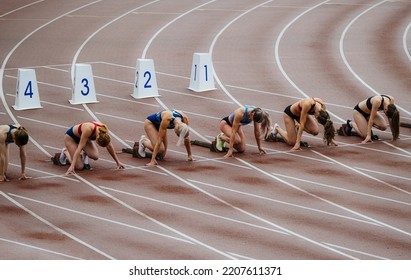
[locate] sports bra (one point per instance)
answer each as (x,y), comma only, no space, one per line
(369,104)
(311,111)
(93,134)
(244,120)
(10,139)
(156,119)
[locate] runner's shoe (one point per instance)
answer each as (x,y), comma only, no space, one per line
(141,148)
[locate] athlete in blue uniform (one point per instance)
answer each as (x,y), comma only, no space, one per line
(12,134)
(156,126)
(232,133)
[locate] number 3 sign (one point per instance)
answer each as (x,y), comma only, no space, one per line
(83,90)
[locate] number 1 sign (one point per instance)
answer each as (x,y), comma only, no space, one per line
(145,83)
(27,96)
(202,72)
(84,90)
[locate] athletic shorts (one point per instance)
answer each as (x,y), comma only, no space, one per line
(287,110)
(70,133)
(358,109)
(227,121)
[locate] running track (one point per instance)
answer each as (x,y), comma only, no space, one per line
(347,202)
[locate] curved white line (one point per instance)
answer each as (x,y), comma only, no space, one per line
(3,99)
(344,58)
(21,8)
(217,79)
(404,41)
(6,59)
(168,24)
(278,60)
(97,31)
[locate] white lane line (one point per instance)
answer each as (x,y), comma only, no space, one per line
(342,189)
(21,8)
(6,59)
(326,200)
(362,173)
(383,173)
(285,96)
(253,215)
(278,60)
(55,227)
(282,202)
(99,218)
(357,252)
(397,148)
(192,239)
(404,41)
(217,79)
(39,249)
(168,24)
(344,58)
(192,210)
(380,181)
(48,174)
(74,61)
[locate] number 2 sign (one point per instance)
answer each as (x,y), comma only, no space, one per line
(145,84)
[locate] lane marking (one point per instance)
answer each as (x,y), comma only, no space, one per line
(326,200)
(362,173)
(38,217)
(253,215)
(21,8)
(356,251)
(345,60)
(39,249)
(171,229)
(193,210)
(282,202)
(217,79)
(100,218)
(342,189)
(404,41)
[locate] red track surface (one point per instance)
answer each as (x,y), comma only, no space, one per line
(347,202)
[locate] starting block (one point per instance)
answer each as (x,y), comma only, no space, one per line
(27,96)
(84,90)
(134,152)
(279,139)
(408,125)
(210,146)
(145,83)
(202,73)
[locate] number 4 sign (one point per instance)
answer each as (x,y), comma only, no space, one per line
(83,89)
(27,96)
(145,83)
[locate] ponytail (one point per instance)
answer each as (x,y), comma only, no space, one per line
(103,137)
(263,118)
(394,119)
(182,133)
(329,130)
